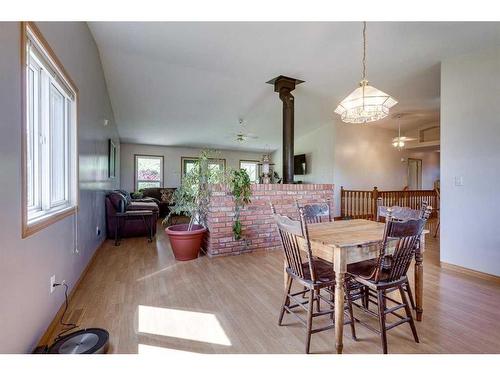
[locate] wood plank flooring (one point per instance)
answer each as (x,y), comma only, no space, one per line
(151,303)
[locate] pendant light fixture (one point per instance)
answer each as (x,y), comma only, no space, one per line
(366,103)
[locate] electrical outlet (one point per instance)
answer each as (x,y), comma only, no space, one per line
(52,282)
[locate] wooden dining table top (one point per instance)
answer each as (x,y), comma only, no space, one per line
(347,233)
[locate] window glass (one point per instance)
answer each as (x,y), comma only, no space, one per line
(214,165)
(252,168)
(149,171)
(58,143)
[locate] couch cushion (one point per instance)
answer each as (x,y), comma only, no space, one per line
(151,193)
(134,206)
(167,196)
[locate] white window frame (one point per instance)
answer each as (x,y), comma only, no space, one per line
(257,169)
(212,161)
(136,169)
(40,65)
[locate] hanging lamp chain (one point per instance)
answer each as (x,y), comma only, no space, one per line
(364,50)
(399,127)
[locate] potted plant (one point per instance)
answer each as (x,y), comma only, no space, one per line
(192,199)
(240,189)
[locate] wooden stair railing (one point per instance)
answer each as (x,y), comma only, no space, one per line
(362,204)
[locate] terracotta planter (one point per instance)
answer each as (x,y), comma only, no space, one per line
(185,244)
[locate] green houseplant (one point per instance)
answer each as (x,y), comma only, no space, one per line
(192,198)
(240,189)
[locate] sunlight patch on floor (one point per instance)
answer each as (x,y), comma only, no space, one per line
(183,324)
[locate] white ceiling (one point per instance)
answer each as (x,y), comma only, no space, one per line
(189,83)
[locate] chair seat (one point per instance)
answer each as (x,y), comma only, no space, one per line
(325,274)
(324,271)
(365,269)
(145,205)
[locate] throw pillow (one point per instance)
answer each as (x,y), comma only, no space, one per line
(167,196)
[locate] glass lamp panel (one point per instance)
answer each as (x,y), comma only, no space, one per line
(365,104)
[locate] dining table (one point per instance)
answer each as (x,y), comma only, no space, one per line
(345,242)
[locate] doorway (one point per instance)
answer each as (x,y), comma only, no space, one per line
(414,174)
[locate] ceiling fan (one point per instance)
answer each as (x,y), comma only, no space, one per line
(399,141)
(240,135)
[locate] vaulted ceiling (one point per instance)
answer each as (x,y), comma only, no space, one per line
(182,83)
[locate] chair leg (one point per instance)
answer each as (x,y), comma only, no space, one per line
(116,231)
(437,228)
(408,313)
(410,295)
(310,308)
(304,293)
(286,300)
(366,297)
(351,314)
(332,302)
(148,229)
(318,307)
(381,318)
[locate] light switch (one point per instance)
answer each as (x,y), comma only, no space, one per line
(459,181)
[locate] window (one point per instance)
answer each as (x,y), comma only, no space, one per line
(148,171)
(50,172)
(214,164)
(252,168)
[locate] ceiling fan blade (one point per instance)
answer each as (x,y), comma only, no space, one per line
(404,139)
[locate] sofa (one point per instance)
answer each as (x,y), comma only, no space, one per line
(118,203)
(164,198)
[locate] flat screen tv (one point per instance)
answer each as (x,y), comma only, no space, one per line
(299,164)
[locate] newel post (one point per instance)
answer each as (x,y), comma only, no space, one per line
(342,202)
(374,202)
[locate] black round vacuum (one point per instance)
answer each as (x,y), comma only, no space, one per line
(84,341)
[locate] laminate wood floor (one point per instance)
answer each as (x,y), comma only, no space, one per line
(151,303)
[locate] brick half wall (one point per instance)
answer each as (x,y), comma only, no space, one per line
(259,230)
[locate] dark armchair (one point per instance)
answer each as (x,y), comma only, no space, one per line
(126,217)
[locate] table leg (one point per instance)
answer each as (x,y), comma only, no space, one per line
(419,278)
(339,311)
(340,268)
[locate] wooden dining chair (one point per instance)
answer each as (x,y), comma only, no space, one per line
(388,274)
(316,212)
(438,210)
(312,273)
(401,213)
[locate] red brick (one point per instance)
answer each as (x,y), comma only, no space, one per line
(258,227)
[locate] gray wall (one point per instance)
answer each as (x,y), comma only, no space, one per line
(353,156)
(172,161)
(470,149)
(26,307)
(431,169)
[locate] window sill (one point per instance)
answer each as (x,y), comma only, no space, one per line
(45,221)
